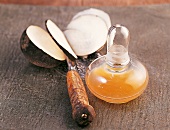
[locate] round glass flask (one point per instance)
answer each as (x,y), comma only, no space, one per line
(116,77)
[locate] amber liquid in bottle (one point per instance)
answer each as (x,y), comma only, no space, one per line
(115,77)
(117,87)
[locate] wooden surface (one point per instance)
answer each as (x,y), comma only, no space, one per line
(34,98)
(86,2)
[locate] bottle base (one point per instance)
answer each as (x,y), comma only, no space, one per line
(116,100)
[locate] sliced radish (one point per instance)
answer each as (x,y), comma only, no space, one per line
(59,37)
(41,39)
(92,11)
(86,34)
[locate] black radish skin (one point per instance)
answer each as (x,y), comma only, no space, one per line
(35,55)
(63,49)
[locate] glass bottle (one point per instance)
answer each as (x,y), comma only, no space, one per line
(116,77)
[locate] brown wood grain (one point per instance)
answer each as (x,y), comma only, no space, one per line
(83,113)
(86,2)
(35,98)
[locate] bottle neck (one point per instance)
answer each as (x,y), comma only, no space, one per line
(117,55)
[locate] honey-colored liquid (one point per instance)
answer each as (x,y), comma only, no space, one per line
(117,87)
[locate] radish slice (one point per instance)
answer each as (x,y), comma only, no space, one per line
(43,41)
(92,11)
(59,37)
(86,34)
(80,42)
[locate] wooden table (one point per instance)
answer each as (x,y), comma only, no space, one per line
(86,2)
(34,98)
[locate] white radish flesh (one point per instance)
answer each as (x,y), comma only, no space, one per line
(59,37)
(43,41)
(92,11)
(80,42)
(86,34)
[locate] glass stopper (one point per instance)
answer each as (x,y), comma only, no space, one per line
(117,46)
